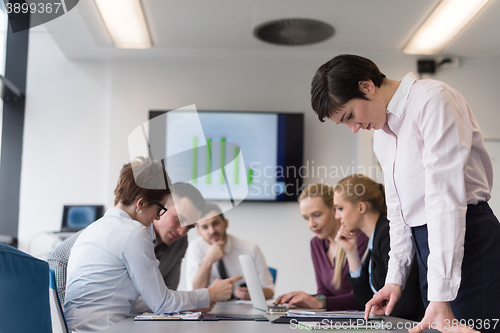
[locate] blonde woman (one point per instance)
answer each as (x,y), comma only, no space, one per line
(360,206)
(330,267)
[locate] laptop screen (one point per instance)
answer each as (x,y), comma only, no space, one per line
(253,282)
(77,217)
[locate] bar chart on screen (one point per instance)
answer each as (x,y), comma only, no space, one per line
(226,152)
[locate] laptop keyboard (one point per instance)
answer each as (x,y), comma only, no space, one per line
(277,309)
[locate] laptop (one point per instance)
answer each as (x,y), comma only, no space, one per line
(77,217)
(255,288)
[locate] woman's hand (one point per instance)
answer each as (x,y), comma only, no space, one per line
(299,298)
(347,239)
(438,315)
(384,300)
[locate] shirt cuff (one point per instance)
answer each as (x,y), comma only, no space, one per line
(442,290)
(356,274)
(203,297)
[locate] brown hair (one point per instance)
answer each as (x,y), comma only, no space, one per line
(212,207)
(142,178)
(326,193)
(360,188)
(186,190)
(336,83)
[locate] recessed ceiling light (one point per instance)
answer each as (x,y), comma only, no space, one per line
(126,23)
(444,23)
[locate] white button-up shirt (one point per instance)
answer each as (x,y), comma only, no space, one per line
(435,163)
(234,246)
(113,263)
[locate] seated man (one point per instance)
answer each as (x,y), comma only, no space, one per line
(215,255)
(169,237)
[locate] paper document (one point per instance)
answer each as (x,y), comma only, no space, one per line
(350,314)
(341,326)
(169,316)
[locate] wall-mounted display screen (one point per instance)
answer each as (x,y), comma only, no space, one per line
(243,155)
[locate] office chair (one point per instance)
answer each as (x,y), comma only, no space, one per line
(274,272)
(24,295)
(59,324)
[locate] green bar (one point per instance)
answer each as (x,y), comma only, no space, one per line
(236,166)
(250,176)
(209,159)
(222,158)
(194,167)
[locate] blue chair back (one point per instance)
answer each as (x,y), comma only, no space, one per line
(59,324)
(274,272)
(24,296)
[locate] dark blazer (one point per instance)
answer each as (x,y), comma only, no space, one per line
(410,306)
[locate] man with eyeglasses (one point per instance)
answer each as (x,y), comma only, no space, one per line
(169,234)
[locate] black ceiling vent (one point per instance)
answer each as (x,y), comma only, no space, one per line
(294,32)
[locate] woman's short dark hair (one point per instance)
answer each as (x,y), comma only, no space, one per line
(336,83)
(142,178)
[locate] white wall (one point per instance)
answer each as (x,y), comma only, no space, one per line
(66,129)
(79,115)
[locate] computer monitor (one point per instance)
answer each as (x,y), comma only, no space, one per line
(77,217)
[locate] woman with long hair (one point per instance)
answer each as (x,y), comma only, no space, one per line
(360,207)
(329,260)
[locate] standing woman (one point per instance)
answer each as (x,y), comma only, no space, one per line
(360,206)
(438,179)
(330,267)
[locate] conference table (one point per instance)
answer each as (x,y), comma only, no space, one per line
(128,325)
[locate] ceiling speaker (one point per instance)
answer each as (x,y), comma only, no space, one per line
(293,32)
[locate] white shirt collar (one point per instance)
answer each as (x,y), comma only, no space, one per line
(398,101)
(114,211)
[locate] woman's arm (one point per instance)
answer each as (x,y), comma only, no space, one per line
(361,285)
(142,267)
(447,134)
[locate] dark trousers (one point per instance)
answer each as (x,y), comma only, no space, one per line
(479,294)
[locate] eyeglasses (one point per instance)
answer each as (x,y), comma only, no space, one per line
(162,209)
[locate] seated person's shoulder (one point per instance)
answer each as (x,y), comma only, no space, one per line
(384,228)
(241,243)
(197,245)
(316,243)
(362,239)
(62,250)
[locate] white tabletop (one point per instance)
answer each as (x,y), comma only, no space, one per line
(128,325)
